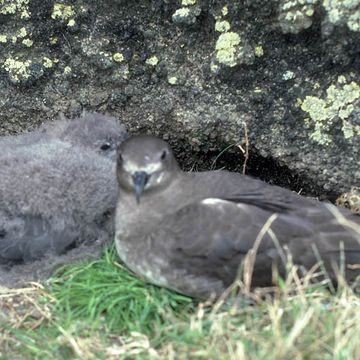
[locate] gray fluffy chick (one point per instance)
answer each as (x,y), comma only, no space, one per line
(95,131)
(57,187)
(98,132)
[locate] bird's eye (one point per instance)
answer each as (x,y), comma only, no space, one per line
(163,155)
(105,146)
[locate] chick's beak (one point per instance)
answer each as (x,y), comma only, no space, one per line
(140,179)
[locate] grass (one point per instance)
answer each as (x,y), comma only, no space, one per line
(99,310)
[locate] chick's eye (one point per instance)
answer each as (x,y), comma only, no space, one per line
(163,155)
(105,146)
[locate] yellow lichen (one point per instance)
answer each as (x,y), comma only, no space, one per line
(118,57)
(188,2)
(172,80)
(222,26)
(259,51)
(354,21)
(13,7)
(62,11)
(22,32)
(226,48)
(288,75)
(337,106)
(67,70)
(71,23)
(341,79)
(7,7)
(27,42)
(182,12)
(153,60)
(53,40)
(214,67)
(224,10)
(348,130)
(48,63)
(17,69)
(343,12)
(309,11)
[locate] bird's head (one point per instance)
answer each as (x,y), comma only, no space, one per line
(145,164)
(94,131)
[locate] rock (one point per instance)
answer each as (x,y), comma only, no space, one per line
(289,70)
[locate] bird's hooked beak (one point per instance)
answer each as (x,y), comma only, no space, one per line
(140,179)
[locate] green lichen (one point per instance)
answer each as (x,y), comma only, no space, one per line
(172,80)
(62,12)
(182,12)
(53,40)
(344,12)
(17,69)
(27,42)
(288,75)
(224,10)
(226,48)
(231,50)
(19,35)
(15,7)
(47,63)
(71,23)
(259,51)
(188,2)
(338,105)
(215,68)
(354,21)
(22,32)
(153,60)
(187,14)
(296,15)
(118,57)
(222,26)
(67,70)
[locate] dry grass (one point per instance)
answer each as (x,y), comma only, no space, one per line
(99,310)
(299,320)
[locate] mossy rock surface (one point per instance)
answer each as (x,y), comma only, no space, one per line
(181,79)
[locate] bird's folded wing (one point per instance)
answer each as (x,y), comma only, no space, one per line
(216,234)
(260,200)
(248,190)
(217,228)
(213,236)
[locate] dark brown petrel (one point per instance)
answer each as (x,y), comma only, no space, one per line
(191,231)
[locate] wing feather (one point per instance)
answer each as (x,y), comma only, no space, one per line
(213,237)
